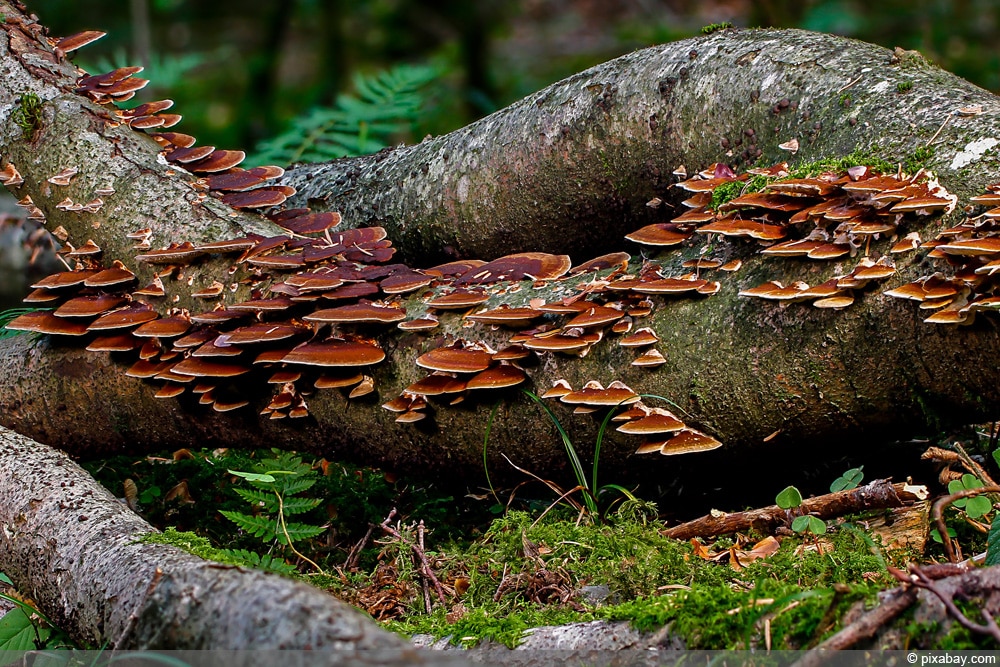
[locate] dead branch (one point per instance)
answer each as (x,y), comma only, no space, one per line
(879,494)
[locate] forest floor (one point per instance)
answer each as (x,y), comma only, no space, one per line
(487,567)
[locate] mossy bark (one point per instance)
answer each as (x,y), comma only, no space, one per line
(568,169)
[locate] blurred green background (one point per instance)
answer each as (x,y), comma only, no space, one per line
(241,72)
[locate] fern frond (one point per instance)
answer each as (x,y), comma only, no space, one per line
(299,505)
(258,526)
(298,532)
(383,106)
(265,562)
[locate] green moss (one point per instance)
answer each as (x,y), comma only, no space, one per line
(845,100)
(733,189)
(853,159)
(195,545)
(918,159)
(904,86)
(28,115)
(715,27)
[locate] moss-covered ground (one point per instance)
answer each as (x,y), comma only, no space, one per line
(502,571)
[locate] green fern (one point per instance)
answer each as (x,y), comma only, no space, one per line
(276,482)
(384,106)
(265,562)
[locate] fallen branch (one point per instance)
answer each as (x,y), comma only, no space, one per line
(425,567)
(75,550)
(879,494)
(937,514)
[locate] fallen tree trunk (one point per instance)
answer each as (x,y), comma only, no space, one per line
(741,370)
(74,549)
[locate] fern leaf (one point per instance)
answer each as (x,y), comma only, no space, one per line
(290,486)
(299,531)
(258,526)
(265,562)
(299,505)
(265,500)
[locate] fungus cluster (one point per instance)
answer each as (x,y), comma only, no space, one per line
(970,253)
(322,299)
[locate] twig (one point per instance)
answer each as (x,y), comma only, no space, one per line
(898,601)
(860,76)
(423,580)
(931,140)
(425,566)
(355,553)
(937,514)
(879,494)
(921,580)
(974,467)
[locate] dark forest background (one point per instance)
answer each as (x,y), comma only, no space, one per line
(242,71)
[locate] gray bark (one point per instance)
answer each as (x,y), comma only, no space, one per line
(739,369)
(73,548)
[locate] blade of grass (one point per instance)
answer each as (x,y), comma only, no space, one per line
(570,452)
(486,440)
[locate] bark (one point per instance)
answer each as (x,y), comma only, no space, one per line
(879,494)
(739,369)
(73,548)
(569,169)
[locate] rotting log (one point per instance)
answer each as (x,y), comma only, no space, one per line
(75,550)
(744,371)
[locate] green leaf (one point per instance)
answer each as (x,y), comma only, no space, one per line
(978,507)
(253,476)
(4,579)
(993,543)
(300,505)
(849,480)
(808,523)
(17,632)
(258,526)
(265,562)
(298,532)
(970,481)
(789,498)
(936,536)
(260,499)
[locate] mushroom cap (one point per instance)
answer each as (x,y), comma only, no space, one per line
(531,265)
(657,421)
(219,160)
(436,384)
(269,195)
(202,368)
(113,343)
(559,389)
(597,396)
(650,358)
(166,327)
(88,306)
(335,353)
(175,253)
(455,360)
(497,377)
(454,269)
(601,263)
(661,234)
(116,275)
(43,321)
(327,381)
(262,332)
(640,338)
(989,245)
(123,318)
(688,441)
(561,343)
(64,279)
(595,316)
(419,324)
(311,223)
(403,282)
(460,298)
(506,315)
(363,311)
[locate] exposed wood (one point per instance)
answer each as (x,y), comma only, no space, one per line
(878,494)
